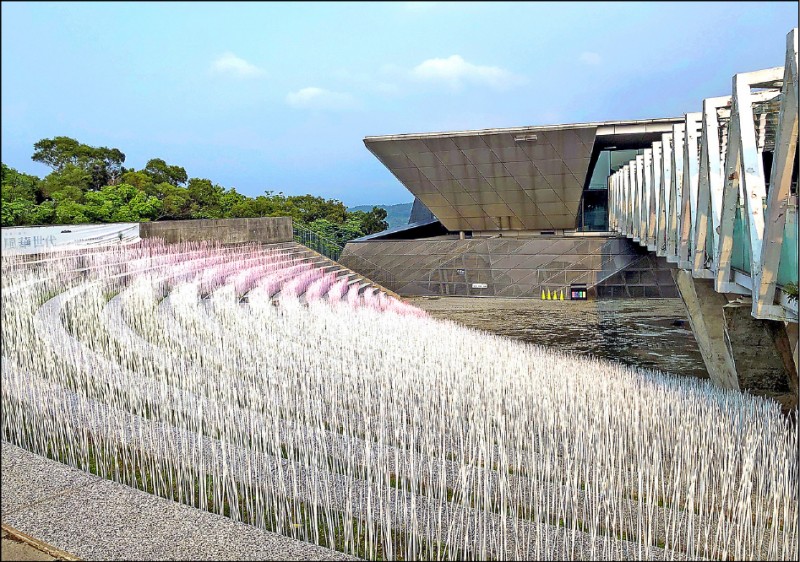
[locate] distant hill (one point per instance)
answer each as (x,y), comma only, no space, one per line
(396,215)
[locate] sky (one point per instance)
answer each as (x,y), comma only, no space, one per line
(279,96)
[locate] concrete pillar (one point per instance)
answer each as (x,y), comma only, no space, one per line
(704,309)
(740,352)
(761,353)
(792,334)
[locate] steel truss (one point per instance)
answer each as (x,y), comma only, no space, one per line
(680,198)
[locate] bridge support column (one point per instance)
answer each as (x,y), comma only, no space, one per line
(740,352)
(704,308)
(792,334)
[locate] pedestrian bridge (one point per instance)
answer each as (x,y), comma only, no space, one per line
(717,196)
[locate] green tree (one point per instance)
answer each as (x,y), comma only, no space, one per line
(71,177)
(20,193)
(234,205)
(103,164)
(121,203)
(43,213)
(176,201)
(341,234)
(140,180)
(371,222)
(161,172)
(24,212)
(16,212)
(69,211)
(90,184)
(267,205)
(17,185)
(206,199)
(311,208)
(57,152)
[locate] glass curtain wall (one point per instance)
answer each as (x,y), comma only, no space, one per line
(593,214)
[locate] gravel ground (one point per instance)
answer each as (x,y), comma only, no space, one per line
(97,519)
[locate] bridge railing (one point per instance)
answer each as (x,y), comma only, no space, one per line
(700,196)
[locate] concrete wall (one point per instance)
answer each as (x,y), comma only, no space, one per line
(225,231)
(610,266)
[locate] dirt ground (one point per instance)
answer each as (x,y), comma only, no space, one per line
(648,333)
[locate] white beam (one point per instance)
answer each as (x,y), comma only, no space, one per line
(689,201)
(765,273)
(620,200)
(626,186)
(641,228)
(752,179)
(744,176)
(655,197)
(666,170)
(709,190)
(647,200)
(610,203)
(634,201)
(617,195)
(675,199)
(730,198)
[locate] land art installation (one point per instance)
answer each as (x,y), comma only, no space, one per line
(260,384)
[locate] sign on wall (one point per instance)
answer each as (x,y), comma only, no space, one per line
(35,239)
(578,292)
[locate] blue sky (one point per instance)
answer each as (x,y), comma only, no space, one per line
(279,96)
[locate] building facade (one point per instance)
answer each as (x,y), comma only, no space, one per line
(514,212)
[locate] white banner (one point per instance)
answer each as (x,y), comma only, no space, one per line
(35,239)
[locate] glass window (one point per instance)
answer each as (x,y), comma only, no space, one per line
(593,212)
(601,171)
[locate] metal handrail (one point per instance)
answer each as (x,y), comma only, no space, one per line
(316,242)
(332,250)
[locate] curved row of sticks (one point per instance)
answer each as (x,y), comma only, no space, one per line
(258,383)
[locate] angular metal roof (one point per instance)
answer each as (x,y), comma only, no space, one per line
(524,178)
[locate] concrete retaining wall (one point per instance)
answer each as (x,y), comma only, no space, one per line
(226,231)
(610,266)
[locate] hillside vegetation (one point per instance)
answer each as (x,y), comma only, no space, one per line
(91,185)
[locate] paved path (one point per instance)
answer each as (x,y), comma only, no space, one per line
(14,549)
(97,519)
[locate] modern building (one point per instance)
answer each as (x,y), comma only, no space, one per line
(512,212)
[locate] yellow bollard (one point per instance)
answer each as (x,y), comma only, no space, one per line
(548,294)
(561,298)
(542,294)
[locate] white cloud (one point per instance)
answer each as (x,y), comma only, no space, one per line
(590,58)
(455,72)
(319,98)
(228,63)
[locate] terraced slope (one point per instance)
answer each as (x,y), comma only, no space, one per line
(270,385)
